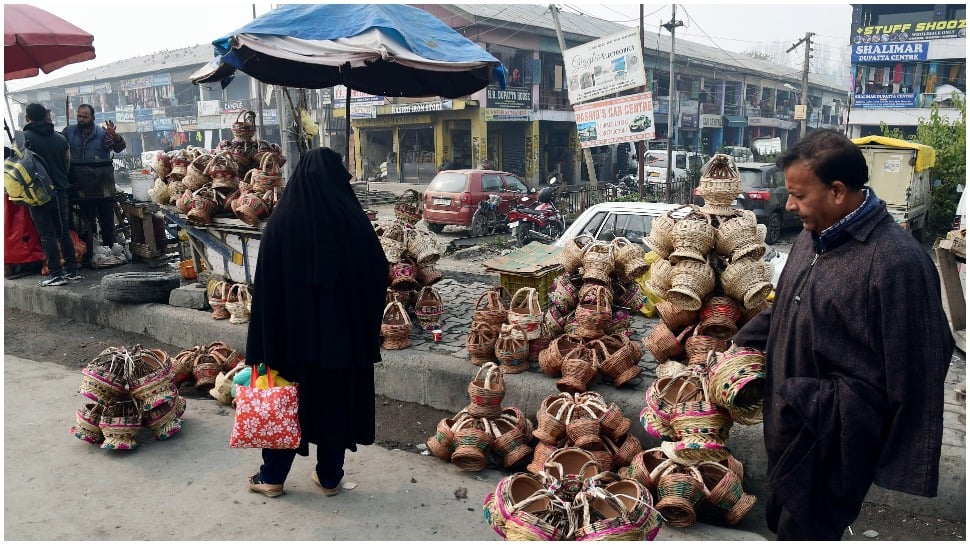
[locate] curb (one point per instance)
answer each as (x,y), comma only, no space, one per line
(438,377)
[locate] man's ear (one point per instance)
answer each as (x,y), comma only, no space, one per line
(839,191)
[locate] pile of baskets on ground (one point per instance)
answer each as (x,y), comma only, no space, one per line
(692,412)
(507,328)
(229,300)
(240,178)
(130,389)
(572,497)
(412,253)
(204,363)
(484,430)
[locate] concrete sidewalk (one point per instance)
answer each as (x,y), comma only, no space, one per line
(437,375)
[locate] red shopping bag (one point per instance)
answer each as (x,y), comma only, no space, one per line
(266,417)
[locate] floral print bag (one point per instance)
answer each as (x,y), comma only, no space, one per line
(266,417)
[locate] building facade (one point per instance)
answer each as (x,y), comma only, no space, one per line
(905,57)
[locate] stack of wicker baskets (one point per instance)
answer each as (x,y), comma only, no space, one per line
(413,253)
(484,431)
(507,328)
(241,178)
(129,388)
(591,307)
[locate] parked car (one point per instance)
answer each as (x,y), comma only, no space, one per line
(633,220)
(763,192)
(453,195)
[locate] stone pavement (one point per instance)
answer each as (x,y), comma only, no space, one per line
(437,374)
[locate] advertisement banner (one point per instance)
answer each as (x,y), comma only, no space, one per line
(711,121)
(511,98)
(164,124)
(416,107)
(356,97)
(362,111)
(158,80)
(503,114)
(270,116)
(688,122)
(623,119)
(145,126)
(235,106)
(913,30)
(605,66)
(101,117)
(209,107)
(86,89)
(122,116)
(136,83)
(210,122)
(144,114)
(884,101)
(103,87)
(891,52)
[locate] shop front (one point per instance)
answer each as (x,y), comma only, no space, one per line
(763,127)
(712,133)
(733,133)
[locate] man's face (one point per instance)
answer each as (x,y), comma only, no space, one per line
(814,202)
(84,118)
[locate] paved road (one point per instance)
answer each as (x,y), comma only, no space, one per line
(192,487)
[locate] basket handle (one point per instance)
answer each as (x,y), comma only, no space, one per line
(493,301)
(525,293)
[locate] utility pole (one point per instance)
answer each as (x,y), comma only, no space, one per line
(671,27)
(640,169)
(587,155)
(808,55)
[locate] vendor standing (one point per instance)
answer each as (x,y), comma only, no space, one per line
(92,173)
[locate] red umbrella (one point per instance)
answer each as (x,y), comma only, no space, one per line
(35,40)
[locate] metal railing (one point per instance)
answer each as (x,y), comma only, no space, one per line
(574,200)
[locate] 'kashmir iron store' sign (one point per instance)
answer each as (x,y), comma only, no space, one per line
(511,98)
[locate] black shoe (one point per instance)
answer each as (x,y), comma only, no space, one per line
(58,280)
(73,277)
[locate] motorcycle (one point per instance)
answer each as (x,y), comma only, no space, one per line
(487,220)
(542,222)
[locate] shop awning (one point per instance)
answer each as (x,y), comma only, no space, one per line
(735,121)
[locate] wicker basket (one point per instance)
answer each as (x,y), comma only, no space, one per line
(423,246)
(473,440)
(245,126)
(660,239)
(662,395)
(675,317)
(162,165)
(237,303)
(718,326)
(628,258)
(180,164)
(512,349)
(663,343)
(486,391)
(693,281)
(614,424)
(407,209)
(86,427)
(267,175)
(736,383)
(395,327)
(748,280)
(551,419)
(442,443)
(510,442)
(723,492)
(120,423)
(205,203)
(429,307)
(679,490)
(428,275)
(550,359)
(598,263)
(701,428)
(525,311)
(616,360)
(195,173)
(489,309)
(223,170)
(481,342)
(571,256)
(564,293)
(699,346)
(646,468)
(578,370)
(594,312)
(567,469)
(661,277)
(693,238)
(733,234)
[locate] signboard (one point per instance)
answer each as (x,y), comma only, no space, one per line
(913,30)
(606,66)
(362,111)
(158,112)
(145,126)
(235,106)
(416,119)
(504,114)
(210,122)
(144,114)
(101,117)
(416,107)
(890,52)
(511,98)
(884,101)
(164,124)
(688,122)
(86,89)
(122,116)
(270,116)
(103,87)
(661,105)
(136,83)
(712,121)
(800,111)
(159,80)
(763,122)
(623,119)
(356,97)
(209,107)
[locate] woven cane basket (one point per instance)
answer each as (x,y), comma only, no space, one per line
(395,327)
(571,256)
(736,383)
(628,259)
(486,392)
(481,342)
(693,281)
(693,238)
(598,263)
(679,490)
(489,309)
(748,280)
(473,439)
(723,492)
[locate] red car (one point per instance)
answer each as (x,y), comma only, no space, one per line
(453,195)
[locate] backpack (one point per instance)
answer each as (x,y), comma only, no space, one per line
(25,177)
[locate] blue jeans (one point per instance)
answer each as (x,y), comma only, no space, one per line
(277,463)
(51,221)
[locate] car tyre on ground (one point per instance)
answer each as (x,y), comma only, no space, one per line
(774,228)
(436,227)
(138,287)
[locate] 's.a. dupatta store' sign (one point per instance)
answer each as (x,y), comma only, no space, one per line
(511,98)
(604,66)
(623,119)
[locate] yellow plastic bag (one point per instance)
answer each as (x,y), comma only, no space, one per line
(649,308)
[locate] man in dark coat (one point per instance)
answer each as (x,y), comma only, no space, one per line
(320,285)
(857,347)
(52,219)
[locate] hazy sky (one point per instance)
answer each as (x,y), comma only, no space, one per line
(127,29)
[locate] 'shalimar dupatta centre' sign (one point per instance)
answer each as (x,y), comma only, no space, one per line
(623,119)
(605,66)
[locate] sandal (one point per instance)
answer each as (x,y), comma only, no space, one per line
(326,491)
(257,485)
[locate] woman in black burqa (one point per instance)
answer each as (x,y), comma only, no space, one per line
(318,299)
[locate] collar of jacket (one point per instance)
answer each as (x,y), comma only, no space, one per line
(857,224)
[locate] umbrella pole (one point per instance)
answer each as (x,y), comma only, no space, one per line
(345,69)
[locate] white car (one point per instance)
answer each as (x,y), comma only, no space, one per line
(632,220)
